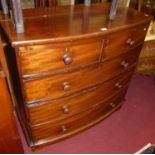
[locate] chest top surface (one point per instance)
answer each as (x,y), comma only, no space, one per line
(43,25)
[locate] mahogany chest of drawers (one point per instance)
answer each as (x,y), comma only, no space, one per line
(72,67)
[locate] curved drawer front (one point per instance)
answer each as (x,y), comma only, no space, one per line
(44,59)
(48,58)
(64,108)
(61,129)
(123,41)
(65,84)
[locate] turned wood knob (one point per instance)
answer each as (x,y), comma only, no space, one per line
(63,128)
(118,85)
(67,59)
(65,109)
(130,42)
(145,29)
(112,105)
(66,86)
(124,64)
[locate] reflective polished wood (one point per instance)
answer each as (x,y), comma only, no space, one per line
(10,142)
(71,67)
(9,137)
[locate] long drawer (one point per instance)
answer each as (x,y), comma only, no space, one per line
(48,58)
(65,84)
(120,42)
(66,107)
(61,129)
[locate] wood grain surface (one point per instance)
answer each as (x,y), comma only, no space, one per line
(71,67)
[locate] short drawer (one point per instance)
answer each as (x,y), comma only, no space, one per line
(61,129)
(51,58)
(66,84)
(123,41)
(66,107)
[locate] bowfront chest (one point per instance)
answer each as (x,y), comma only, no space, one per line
(71,68)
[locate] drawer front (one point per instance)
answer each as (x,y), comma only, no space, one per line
(65,84)
(72,125)
(46,58)
(123,41)
(64,108)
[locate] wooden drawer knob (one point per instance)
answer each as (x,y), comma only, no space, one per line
(130,42)
(66,86)
(67,59)
(63,128)
(65,109)
(113,105)
(118,85)
(124,64)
